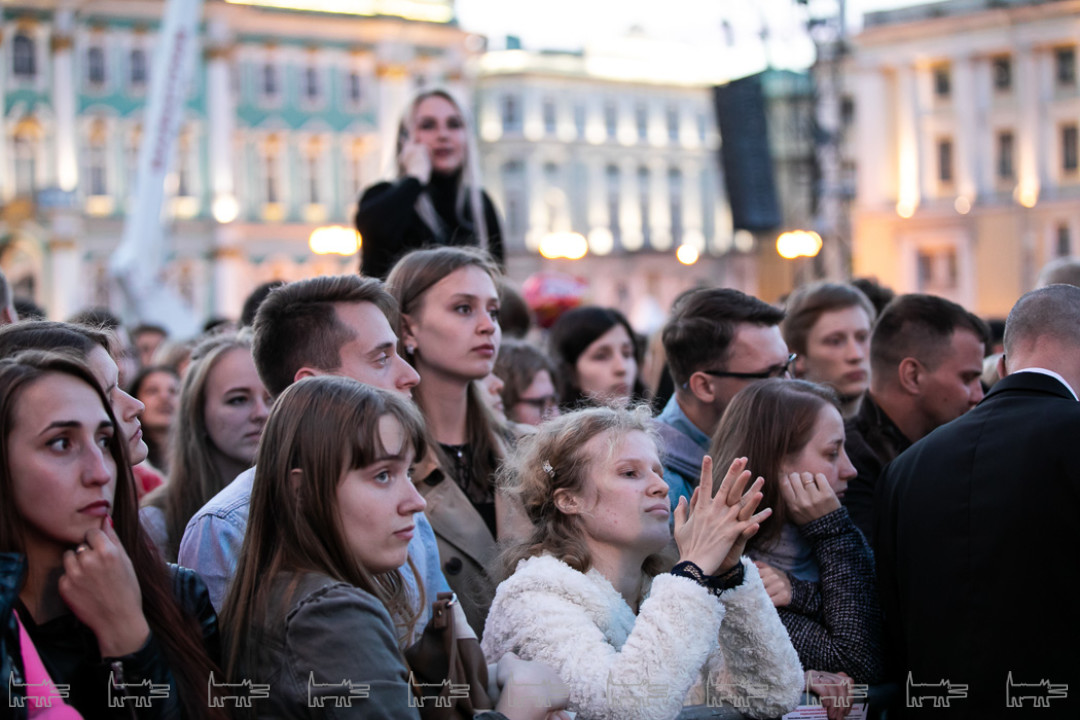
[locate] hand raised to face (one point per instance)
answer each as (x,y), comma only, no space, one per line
(808,497)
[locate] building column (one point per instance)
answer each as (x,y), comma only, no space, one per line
(65,275)
(63,99)
(221,122)
(966,128)
(693,212)
(392,76)
(1027,151)
(908,150)
(7,179)
(871,148)
(229,277)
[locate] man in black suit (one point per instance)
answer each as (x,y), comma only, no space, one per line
(976,535)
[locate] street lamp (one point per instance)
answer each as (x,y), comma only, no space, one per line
(334,240)
(687,254)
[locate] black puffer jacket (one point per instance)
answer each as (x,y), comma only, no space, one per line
(70,653)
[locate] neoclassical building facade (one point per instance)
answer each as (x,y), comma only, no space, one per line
(285,122)
(964,143)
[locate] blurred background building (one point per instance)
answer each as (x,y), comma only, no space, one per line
(965,142)
(936,148)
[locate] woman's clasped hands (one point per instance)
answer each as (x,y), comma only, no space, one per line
(711,530)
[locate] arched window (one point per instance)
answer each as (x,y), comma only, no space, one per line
(138,67)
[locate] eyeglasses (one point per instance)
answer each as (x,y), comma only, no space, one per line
(776,371)
(544,404)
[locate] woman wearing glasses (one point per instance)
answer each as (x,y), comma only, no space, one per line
(528,394)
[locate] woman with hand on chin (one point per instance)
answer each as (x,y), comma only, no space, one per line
(587,594)
(96,601)
(817,566)
(437,198)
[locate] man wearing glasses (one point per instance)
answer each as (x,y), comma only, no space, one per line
(718,341)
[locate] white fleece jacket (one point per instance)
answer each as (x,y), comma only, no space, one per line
(684,647)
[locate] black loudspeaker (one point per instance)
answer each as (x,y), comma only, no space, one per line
(745,155)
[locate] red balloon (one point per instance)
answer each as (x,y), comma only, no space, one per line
(550,294)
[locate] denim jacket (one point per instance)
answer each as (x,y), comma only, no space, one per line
(682,447)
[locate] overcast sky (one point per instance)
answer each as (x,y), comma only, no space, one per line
(571,24)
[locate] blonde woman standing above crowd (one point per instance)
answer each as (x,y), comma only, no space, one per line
(436,198)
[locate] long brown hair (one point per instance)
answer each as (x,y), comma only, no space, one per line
(194,476)
(322,426)
(412,276)
(178,633)
(554,458)
(768,422)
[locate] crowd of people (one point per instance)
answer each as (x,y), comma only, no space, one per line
(375,497)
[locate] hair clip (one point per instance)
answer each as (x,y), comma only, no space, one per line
(548,469)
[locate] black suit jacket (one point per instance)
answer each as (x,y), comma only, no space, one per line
(978,553)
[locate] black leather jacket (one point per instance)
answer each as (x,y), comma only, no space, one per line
(139,685)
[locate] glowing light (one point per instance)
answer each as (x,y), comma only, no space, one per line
(225,209)
(569,245)
(798,243)
(440,11)
(1026,195)
(334,240)
(962,205)
(687,254)
(905,209)
(744,240)
(601,241)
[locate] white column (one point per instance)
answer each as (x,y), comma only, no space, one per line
(693,215)
(908,150)
(7,178)
(871,115)
(67,159)
(229,277)
(965,128)
(629,214)
(222,122)
(392,73)
(983,140)
(1027,85)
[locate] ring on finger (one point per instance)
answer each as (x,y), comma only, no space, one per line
(809,481)
(81,547)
